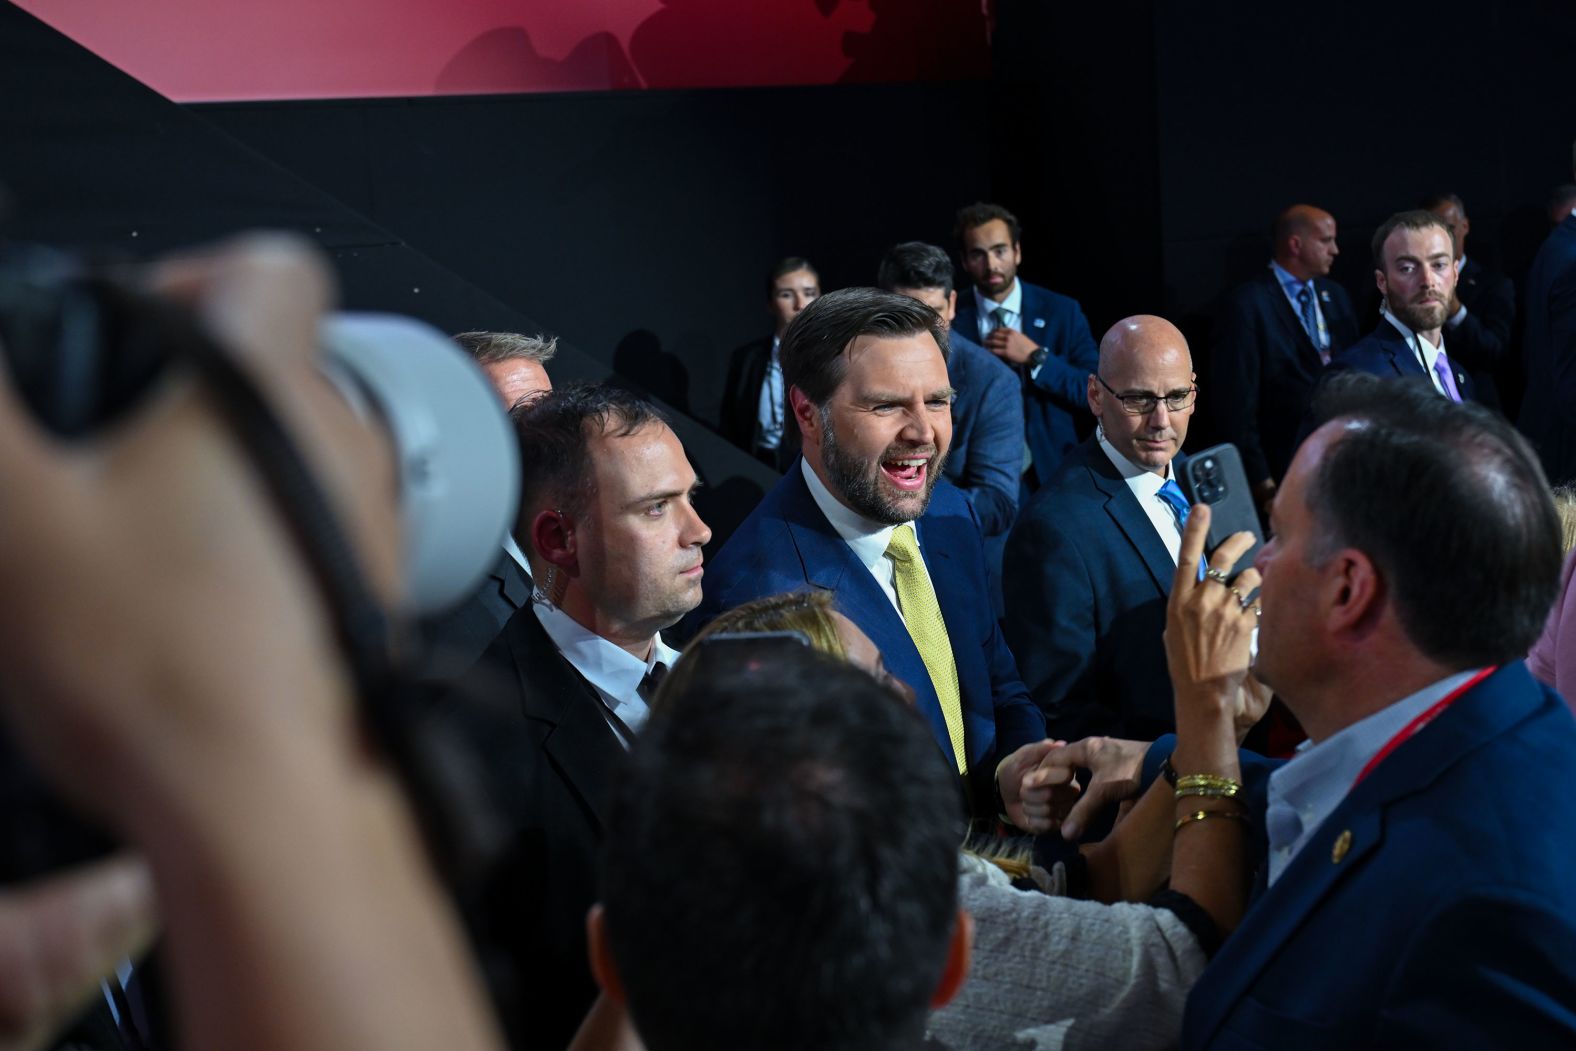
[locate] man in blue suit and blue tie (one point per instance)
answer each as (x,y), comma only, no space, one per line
(1090,562)
(1418,890)
(865,514)
(1272,340)
(1041,334)
(986,455)
(1415,269)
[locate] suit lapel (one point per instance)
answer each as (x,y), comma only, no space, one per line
(580,744)
(1122,506)
(1031,316)
(829,563)
(1495,705)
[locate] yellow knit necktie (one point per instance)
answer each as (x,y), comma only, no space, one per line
(917,599)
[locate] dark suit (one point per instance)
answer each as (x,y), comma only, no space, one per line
(1056,401)
(1086,583)
(1263,368)
(453,640)
(1450,918)
(1548,411)
(788,545)
(544,755)
(1481,342)
(739,419)
(1383,352)
(986,455)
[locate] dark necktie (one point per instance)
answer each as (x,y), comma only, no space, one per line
(652,682)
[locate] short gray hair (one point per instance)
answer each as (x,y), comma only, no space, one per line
(489,348)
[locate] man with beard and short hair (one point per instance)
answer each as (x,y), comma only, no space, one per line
(864,514)
(1090,563)
(1415,270)
(1042,335)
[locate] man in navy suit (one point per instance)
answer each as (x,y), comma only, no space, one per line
(865,514)
(1415,270)
(1090,562)
(986,455)
(1418,887)
(1273,337)
(1550,352)
(1042,334)
(1481,314)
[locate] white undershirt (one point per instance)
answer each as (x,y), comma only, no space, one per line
(1145,486)
(611,669)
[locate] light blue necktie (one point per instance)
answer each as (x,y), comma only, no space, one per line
(1171,493)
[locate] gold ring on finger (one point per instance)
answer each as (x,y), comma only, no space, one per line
(1218,577)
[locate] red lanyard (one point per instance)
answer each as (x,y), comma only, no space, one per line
(1433,712)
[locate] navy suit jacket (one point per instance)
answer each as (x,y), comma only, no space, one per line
(786,544)
(1056,401)
(1384,352)
(1086,581)
(1549,349)
(1449,920)
(986,455)
(1263,369)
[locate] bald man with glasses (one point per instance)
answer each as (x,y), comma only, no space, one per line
(1090,562)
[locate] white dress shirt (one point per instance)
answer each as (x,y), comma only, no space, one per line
(1304,791)
(866,538)
(1145,486)
(771,407)
(611,669)
(1422,350)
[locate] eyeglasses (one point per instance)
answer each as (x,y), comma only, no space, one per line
(1144,404)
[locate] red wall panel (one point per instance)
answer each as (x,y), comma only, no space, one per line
(203,50)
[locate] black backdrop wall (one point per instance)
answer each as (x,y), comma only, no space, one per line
(1145,144)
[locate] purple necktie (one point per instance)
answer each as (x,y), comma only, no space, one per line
(1446,380)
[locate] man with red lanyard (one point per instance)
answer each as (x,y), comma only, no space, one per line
(1418,891)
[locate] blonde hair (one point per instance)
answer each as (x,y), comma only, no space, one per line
(808,612)
(1565,504)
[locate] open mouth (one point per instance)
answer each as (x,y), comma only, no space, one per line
(907,473)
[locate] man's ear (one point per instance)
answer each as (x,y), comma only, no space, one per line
(1357,593)
(807,415)
(959,953)
(603,968)
(553,538)
(1379,282)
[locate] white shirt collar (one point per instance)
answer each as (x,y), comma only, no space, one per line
(866,537)
(613,670)
(515,553)
(1013,303)
(1141,480)
(1425,351)
(1304,791)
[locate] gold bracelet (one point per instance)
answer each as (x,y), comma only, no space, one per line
(1230,792)
(1205,815)
(1226,784)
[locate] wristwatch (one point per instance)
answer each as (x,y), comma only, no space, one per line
(1037,357)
